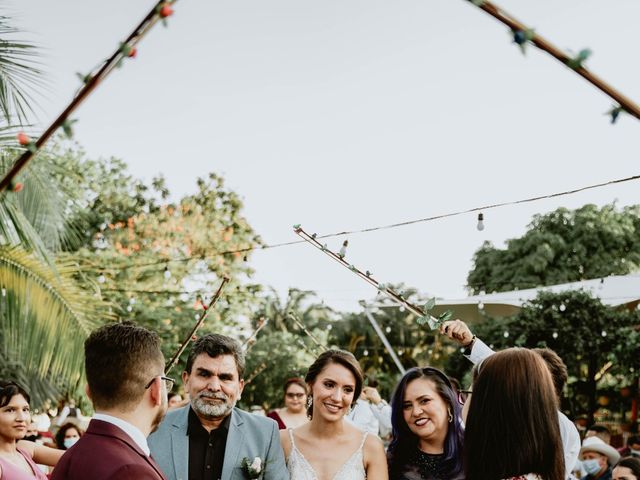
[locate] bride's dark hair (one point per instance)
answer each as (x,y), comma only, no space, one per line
(339,357)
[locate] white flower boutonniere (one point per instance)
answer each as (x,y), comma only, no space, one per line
(252,468)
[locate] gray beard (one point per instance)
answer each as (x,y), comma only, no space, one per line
(211,411)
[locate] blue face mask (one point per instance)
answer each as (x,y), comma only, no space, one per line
(69,442)
(591,466)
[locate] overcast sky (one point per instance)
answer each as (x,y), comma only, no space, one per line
(341,114)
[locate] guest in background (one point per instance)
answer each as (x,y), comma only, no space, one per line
(67,436)
(294,413)
(19,459)
(598,458)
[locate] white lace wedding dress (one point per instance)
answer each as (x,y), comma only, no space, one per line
(301,469)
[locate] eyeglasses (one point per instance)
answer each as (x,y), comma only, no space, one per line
(463,396)
(299,396)
(169,382)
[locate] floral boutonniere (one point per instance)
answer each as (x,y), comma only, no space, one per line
(252,468)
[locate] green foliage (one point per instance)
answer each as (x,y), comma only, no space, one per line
(19,74)
(562,246)
(579,328)
(414,344)
(282,349)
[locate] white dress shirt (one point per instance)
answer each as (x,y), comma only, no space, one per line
(134,432)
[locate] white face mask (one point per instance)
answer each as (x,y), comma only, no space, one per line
(591,466)
(70,442)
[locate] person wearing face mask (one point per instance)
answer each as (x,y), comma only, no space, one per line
(67,436)
(633,447)
(598,459)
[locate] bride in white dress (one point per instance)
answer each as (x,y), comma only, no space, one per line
(328,447)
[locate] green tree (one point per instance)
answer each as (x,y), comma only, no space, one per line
(282,349)
(562,246)
(584,332)
(20,75)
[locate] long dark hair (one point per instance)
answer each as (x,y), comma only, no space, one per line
(512,426)
(404,442)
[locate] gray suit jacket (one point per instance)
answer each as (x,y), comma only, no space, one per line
(249,436)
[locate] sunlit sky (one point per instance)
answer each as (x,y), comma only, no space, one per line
(342,115)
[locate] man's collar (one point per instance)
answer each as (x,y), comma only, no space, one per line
(131,430)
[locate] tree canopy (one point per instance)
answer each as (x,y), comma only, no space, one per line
(560,247)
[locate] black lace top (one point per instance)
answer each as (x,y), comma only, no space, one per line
(424,466)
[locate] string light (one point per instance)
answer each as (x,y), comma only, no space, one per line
(480,225)
(554,335)
(505,334)
(167,273)
(102,278)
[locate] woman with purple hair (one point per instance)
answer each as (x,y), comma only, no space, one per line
(427,433)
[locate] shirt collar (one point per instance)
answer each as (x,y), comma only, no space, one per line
(134,432)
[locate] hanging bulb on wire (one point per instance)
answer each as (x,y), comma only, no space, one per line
(102,278)
(480,225)
(167,273)
(343,250)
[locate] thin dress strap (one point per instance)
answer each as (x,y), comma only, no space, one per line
(364,438)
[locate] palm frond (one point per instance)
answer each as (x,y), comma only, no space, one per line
(20,75)
(44,317)
(40,216)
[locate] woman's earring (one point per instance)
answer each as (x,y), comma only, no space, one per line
(450,415)
(309,405)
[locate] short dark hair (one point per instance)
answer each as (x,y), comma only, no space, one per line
(120,359)
(215,345)
(596,427)
(556,366)
(339,357)
(633,439)
(8,390)
(295,381)
(632,463)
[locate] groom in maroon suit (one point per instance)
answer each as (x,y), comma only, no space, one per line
(128,389)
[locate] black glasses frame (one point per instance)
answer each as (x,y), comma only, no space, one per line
(169,382)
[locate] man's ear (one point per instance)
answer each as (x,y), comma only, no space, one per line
(156,391)
(185,379)
(241,386)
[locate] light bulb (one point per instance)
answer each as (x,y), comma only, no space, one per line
(102,278)
(365,353)
(562,307)
(480,305)
(480,225)
(603,333)
(554,334)
(388,329)
(167,273)
(505,334)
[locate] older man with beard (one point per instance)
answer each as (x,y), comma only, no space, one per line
(210,438)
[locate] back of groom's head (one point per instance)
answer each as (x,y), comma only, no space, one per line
(120,360)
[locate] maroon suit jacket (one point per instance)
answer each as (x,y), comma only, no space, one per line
(105,452)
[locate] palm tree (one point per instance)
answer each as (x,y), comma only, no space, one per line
(44,313)
(20,76)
